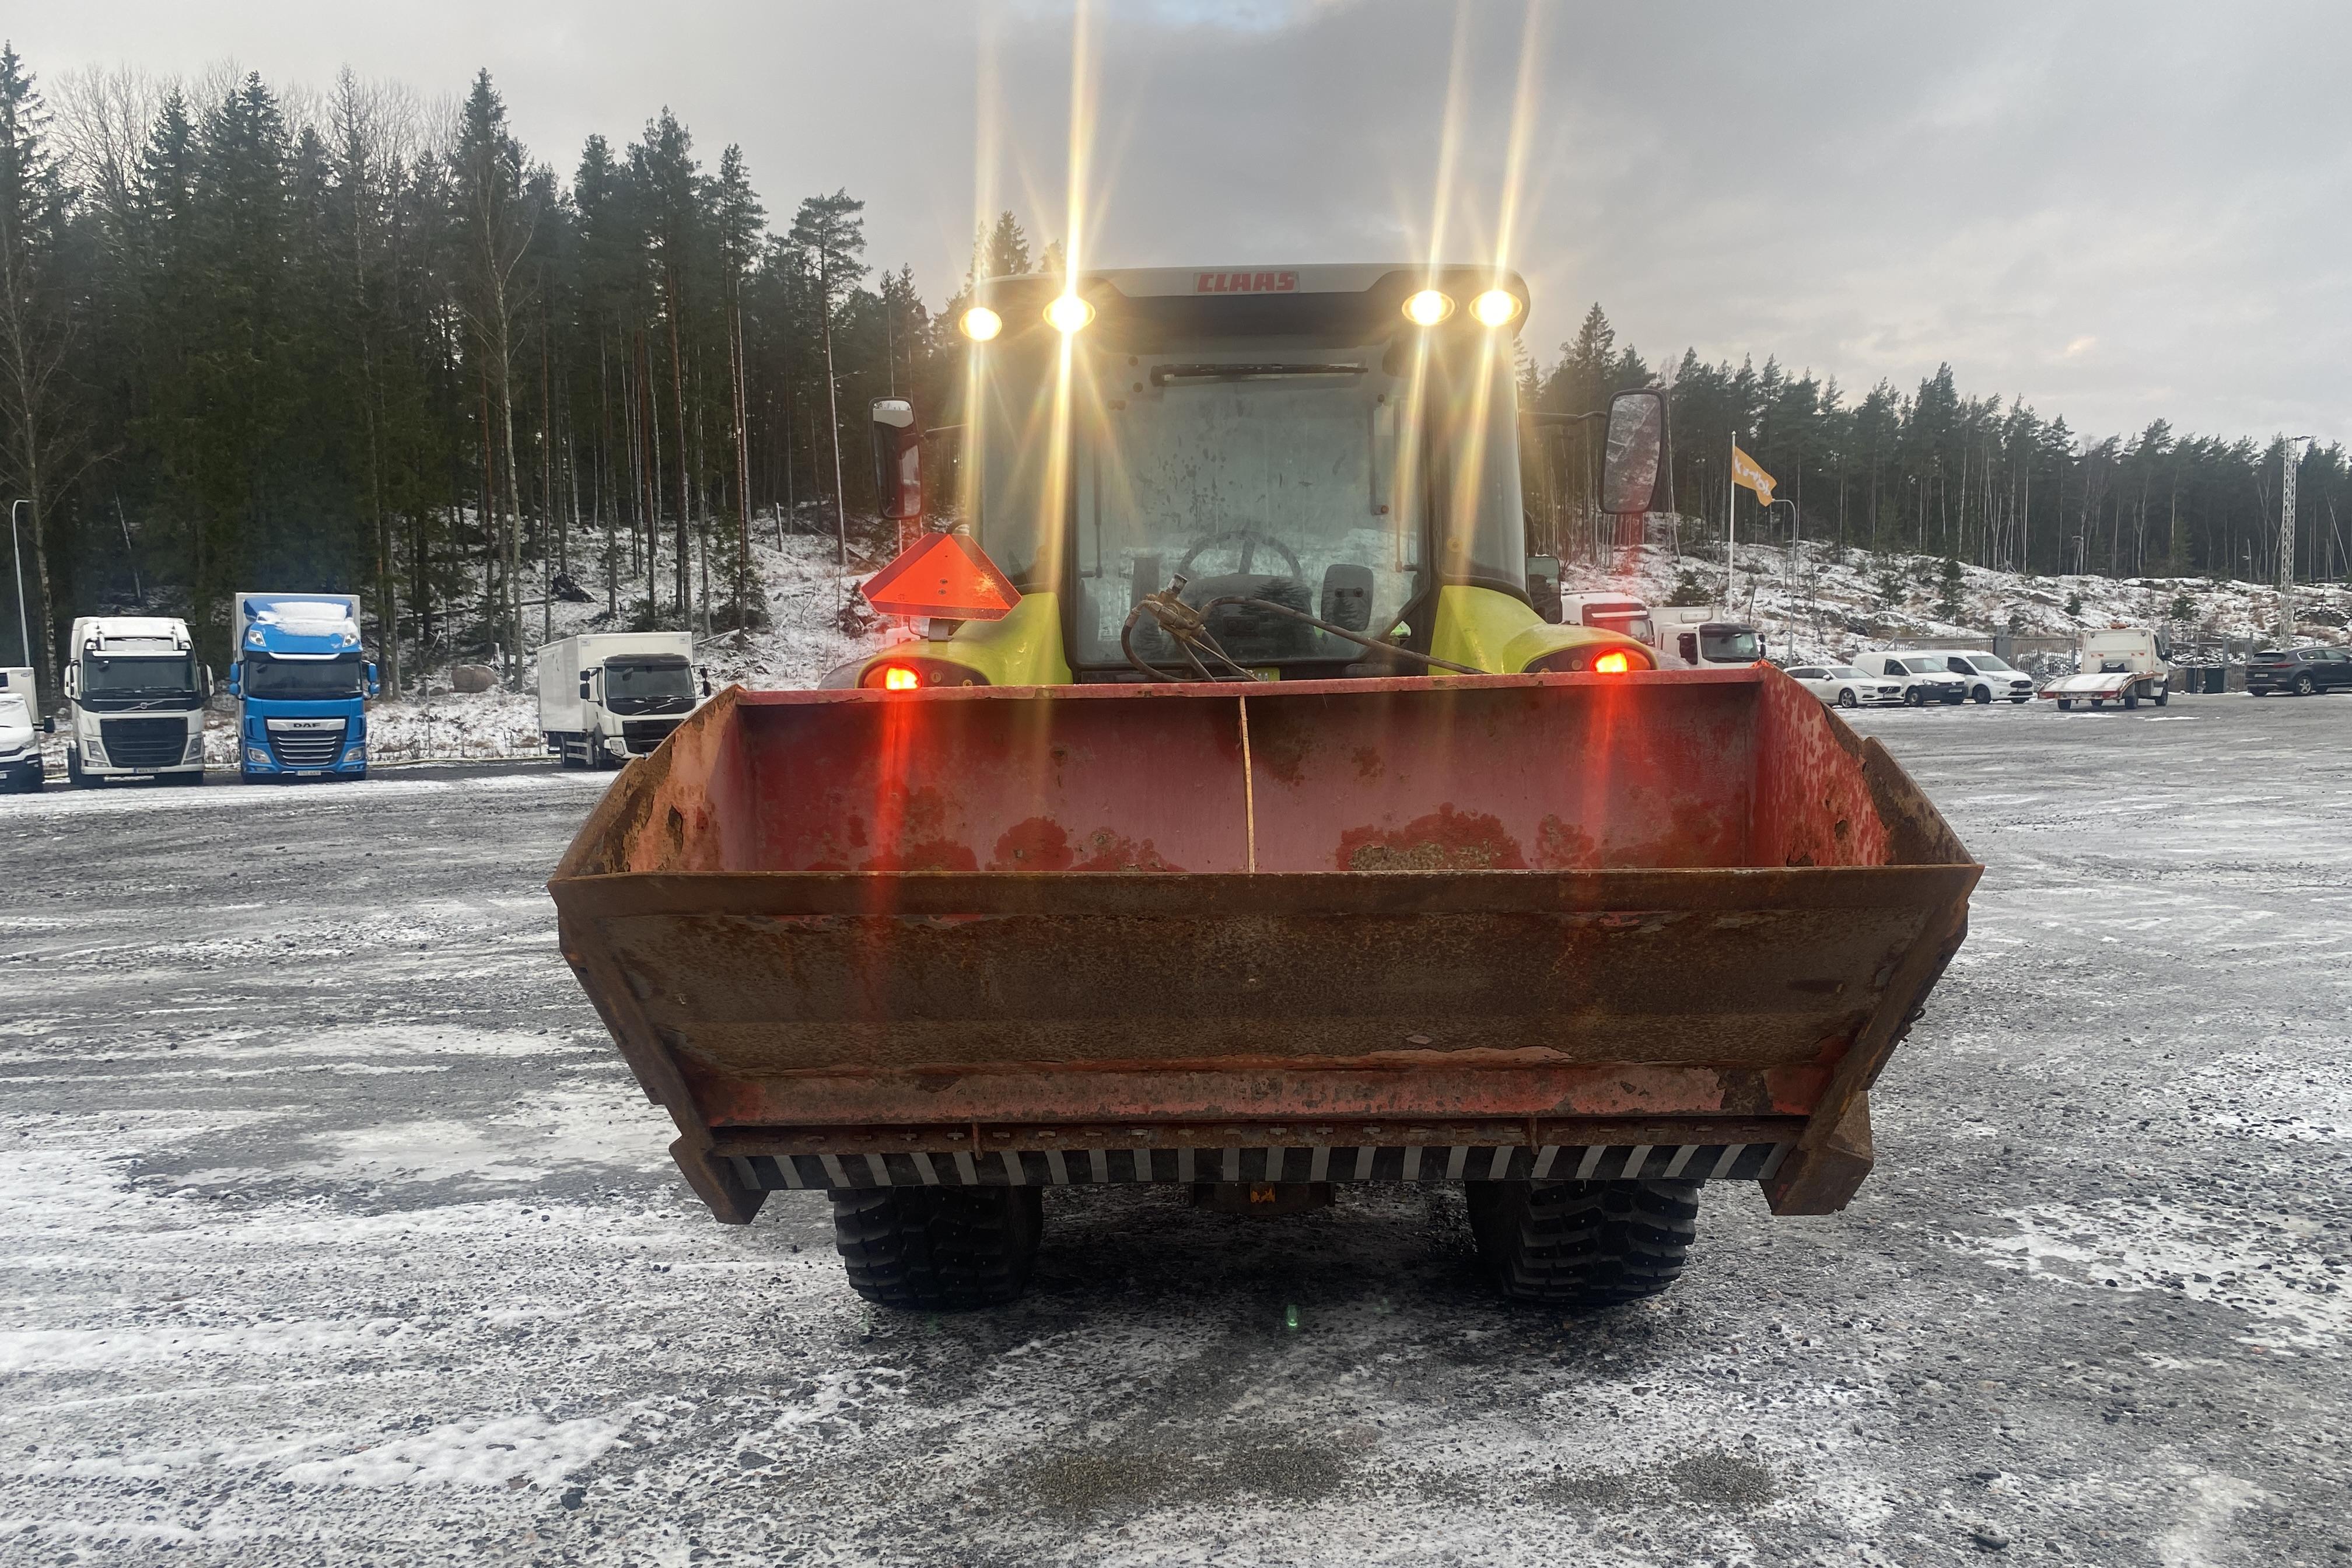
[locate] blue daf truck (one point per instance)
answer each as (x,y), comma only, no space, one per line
(302,685)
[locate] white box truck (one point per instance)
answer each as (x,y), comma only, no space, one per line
(606,697)
(134,700)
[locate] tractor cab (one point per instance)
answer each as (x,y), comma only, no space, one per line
(1295,474)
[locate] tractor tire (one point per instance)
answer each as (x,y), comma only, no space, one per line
(2065,705)
(2131,698)
(938,1249)
(1583,1245)
(1847,699)
(2303,687)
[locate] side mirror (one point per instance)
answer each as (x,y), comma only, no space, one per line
(237,679)
(1543,586)
(373,685)
(1637,476)
(48,724)
(584,686)
(705,674)
(73,681)
(897,459)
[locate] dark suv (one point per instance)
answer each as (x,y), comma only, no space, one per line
(2302,671)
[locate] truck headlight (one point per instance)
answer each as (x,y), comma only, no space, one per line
(356,754)
(196,753)
(93,750)
(257,757)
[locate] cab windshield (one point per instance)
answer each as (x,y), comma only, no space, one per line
(119,683)
(1730,645)
(651,683)
(1269,480)
(303,680)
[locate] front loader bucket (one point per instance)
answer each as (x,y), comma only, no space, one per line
(1662,924)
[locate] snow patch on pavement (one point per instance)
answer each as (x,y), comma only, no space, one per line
(2275,1275)
(522,1449)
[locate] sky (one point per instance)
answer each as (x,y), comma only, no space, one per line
(2118,212)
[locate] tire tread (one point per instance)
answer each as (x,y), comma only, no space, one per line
(1584,1245)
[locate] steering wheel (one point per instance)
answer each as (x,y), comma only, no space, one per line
(1249,541)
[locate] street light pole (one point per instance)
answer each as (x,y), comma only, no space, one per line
(2286,541)
(16,561)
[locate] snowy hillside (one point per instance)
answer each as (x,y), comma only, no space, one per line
(1818,606)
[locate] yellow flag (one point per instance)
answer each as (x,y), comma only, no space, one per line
(1747,471)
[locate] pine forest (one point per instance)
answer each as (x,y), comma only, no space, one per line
(353,339)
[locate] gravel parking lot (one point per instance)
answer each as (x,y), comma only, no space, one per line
(332,1230)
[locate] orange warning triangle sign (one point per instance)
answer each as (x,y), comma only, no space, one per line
(945,575)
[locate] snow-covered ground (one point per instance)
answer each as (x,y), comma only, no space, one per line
(332,1231)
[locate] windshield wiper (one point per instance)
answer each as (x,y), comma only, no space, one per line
(1161,374)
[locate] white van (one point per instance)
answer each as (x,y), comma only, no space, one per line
(21,729)
(1989,676)
(1924,677)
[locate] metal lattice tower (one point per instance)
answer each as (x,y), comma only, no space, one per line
(2286,540)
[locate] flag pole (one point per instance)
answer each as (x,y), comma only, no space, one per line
(1731,528)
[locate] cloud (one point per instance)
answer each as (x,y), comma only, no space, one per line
(1862,189)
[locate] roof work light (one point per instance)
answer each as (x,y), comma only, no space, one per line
(1427,307)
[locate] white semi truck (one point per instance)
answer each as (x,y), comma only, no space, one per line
(21,727)
(134,700)
(605,697)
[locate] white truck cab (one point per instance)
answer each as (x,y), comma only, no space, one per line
(1705,637)
(606,697)
(21,728)
(134,700)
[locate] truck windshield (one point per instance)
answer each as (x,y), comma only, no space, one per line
(303,680)
(116,682)
(1267,478)
(1730,645)
(649,683)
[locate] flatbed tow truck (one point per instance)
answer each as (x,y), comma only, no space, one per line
(2123,665)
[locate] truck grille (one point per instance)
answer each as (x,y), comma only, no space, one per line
(642,736)
(307,748)
(143,742)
